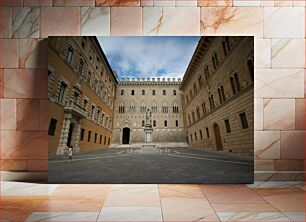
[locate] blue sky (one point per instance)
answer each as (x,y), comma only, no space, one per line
(134,57)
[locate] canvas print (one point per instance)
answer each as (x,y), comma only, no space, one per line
(151,109)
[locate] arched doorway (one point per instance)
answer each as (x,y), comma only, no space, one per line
(126,135)
(70,135)
(218,138)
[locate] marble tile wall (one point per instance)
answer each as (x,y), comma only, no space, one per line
(278,27)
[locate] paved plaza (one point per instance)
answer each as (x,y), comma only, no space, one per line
(171,165)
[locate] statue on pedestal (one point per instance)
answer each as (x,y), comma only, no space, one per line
(148,118)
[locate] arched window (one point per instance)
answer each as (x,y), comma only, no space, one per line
(143,92)
(233,85)
(206,71)
(200,81)
(122,92)
(175,108)
(143,107)
(132,92)
(250,64)
(226,45)
(121,108)
(165,123)
(132,107)
(221,94)
(198,113)
(176,123)
(204,108)
(237,82)
(154,108)
(195,88)
(142,123)
(211,102)
(215,60)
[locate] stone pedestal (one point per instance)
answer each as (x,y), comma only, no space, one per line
(148,134)
(148,147)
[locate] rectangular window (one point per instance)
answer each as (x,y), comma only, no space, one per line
(69,55)
(153,92)
(108,141)
(61,94)
(174,92)
(164,92)
(207,132)
(191,137)
(122,92)
(96,137)
(52,127)
(244,121)
(201,136)
(227,126)
(143,92)
(195,136)
(82,134)
(89,136)
(100,139)
(104,140)
(85,104)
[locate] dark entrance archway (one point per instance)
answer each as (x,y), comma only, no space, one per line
(70,135)
(218,138)
(126,135)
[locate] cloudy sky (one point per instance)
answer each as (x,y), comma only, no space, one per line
(134,57)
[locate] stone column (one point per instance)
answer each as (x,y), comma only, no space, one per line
(64,134)
(77,137)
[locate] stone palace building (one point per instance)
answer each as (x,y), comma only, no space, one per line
(211,107)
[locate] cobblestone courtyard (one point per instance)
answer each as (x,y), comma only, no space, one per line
(172,165)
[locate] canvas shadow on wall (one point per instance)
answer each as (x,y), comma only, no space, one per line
(151,109)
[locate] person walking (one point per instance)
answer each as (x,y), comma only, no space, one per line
(70,149)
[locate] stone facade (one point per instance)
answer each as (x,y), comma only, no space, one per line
(162,97)
(218,95)
(81,88)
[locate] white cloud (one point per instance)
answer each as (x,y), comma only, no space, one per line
(165,57)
